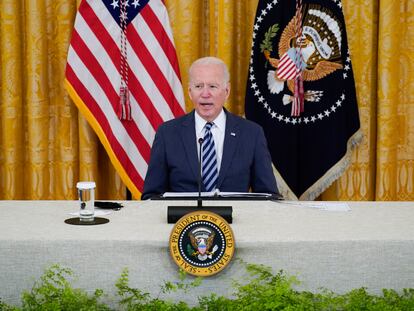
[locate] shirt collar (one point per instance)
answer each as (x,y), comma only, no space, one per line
(219,121)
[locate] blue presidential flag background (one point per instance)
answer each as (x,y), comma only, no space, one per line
(311,149)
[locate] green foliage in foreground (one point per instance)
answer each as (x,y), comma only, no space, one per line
(263,290)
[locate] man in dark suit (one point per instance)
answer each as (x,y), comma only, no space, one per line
(235,157)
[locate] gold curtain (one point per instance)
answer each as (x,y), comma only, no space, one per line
(46,146)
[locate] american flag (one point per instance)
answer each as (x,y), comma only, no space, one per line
(124,46)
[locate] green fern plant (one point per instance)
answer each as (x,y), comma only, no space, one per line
(261,289)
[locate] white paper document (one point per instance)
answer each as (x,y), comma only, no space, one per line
(216,194)
(327,206)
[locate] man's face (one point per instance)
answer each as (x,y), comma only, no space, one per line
(208,91)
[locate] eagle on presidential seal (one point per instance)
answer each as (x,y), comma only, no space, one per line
(201,239)
(320,46)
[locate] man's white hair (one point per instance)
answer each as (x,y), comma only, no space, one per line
(211,60)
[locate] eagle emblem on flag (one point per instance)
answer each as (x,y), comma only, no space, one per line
(320,46)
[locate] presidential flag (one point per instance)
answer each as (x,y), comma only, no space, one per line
(122,73)
(301,90)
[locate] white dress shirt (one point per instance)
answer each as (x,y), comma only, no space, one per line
(217,130)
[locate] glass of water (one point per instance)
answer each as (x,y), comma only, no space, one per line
(86,195)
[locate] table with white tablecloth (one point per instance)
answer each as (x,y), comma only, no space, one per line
(371,245)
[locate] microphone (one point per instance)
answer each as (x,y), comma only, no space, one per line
(199,200)
(174,213)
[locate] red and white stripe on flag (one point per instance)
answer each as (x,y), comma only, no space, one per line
(286,70)
(93,80)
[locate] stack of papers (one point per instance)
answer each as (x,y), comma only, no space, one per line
(217,194)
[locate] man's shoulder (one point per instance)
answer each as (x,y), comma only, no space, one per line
(184,119)
(242,122)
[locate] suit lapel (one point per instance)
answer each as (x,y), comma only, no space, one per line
(231,139)
(188,137)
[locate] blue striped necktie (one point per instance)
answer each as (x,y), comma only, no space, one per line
(210,173)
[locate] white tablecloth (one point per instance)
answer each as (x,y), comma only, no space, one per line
(372,245)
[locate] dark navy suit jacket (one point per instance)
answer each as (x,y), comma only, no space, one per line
(245,165)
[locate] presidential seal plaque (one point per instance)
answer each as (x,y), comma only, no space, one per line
(202,243)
